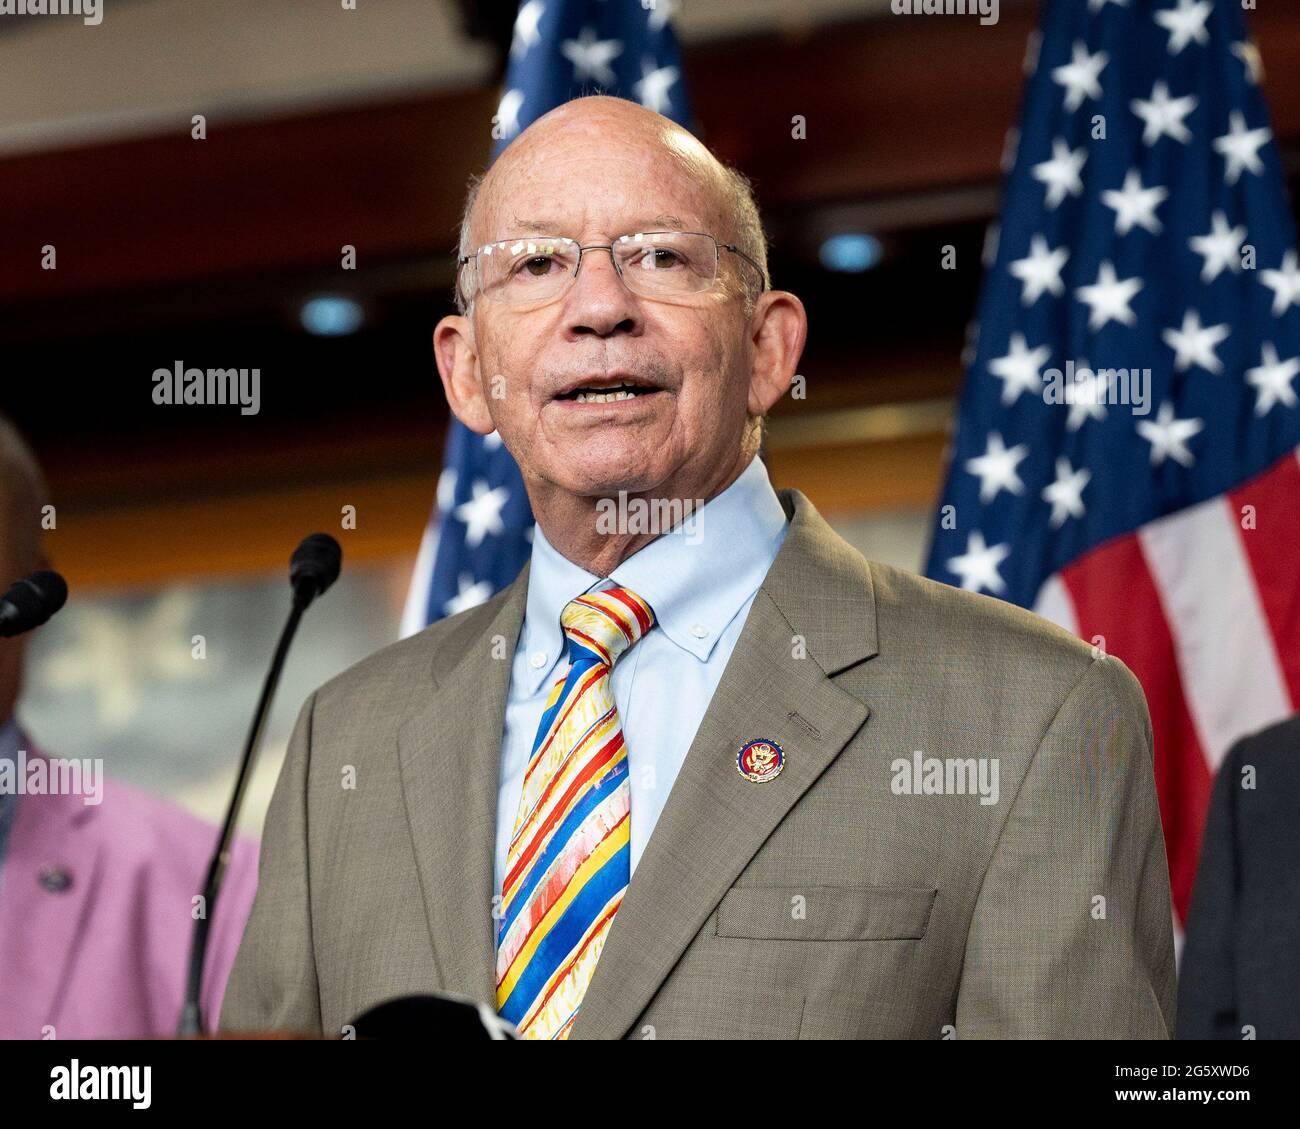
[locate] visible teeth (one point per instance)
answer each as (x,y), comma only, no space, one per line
(603,397)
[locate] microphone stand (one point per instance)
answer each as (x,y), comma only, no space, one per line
(191,1018)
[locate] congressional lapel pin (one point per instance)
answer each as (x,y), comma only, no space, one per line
(760,761)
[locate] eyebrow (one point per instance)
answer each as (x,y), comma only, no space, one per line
(551,227)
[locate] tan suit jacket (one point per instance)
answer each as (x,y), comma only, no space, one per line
(827,902)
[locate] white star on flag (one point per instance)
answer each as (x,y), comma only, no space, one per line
(1272,380)
(1186,23)
(1040,272)
(1108,298)
(1080,76)
(1087,398)
(512,101)
(1240,147)
(1021,369)
(978,565)
(1066,493)
(1284,283)
(1095,6)
(1194,344)
(1061,173)
(482,513)
(660,14)
(526,27)
(1220,247)
(1163,116)
(1168,436)
(652,89)
(996,468)
(1134,205)
(591,56)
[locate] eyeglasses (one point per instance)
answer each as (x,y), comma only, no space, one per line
(663,265)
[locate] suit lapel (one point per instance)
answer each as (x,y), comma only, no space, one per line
(813,616)
(450,752)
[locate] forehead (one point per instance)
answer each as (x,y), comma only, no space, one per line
(590,182)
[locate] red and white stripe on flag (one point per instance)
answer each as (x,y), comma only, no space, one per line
(1203,605)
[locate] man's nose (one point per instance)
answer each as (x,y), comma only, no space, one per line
(600,304)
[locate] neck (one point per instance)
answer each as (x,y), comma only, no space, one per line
(589,531)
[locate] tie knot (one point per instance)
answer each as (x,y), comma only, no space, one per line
(606,623)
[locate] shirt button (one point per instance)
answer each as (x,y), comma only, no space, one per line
(537,660)
(700,631)
(55,879)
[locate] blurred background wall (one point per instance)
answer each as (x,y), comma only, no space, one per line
(329,129)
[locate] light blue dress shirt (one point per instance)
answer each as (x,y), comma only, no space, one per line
(700,581)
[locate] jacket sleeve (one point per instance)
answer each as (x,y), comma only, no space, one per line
(1207,999)
(273,983)
(1072,932)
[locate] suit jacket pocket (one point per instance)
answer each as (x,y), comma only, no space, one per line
(825,913)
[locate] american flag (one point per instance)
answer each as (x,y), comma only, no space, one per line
(480,534)
(1145,226)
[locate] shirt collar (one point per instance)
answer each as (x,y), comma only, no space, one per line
(696,578)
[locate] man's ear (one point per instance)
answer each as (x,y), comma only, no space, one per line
(457,357)
(778,328)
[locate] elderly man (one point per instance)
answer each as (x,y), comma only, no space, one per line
(96,890)
(662,785)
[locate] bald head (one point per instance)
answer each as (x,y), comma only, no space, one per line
(22,494)
(600,377)
(599,123)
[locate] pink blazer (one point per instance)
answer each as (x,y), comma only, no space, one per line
(95,915)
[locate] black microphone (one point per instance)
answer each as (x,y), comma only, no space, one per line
(312,569)
(31,601)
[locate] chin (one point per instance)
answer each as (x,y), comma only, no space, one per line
(609,480)
(586,473)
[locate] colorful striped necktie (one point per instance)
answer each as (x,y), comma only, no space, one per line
(569,862)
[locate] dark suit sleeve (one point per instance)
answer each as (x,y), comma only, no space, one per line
(273,984)
(1207,997)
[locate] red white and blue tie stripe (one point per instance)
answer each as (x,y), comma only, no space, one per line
(569,860)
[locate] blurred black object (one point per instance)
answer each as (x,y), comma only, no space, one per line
(491,21)
(314,567)
(432,1017)
(31,602)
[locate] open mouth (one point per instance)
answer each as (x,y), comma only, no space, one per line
(606,395)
